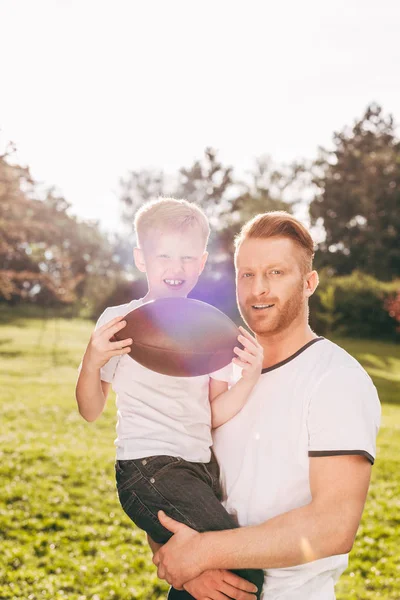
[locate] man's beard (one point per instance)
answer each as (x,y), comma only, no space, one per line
(281,320)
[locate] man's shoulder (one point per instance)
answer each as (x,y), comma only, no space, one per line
(335,363)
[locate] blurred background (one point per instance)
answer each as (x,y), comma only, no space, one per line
(241,107)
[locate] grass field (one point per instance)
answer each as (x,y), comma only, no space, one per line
(63,534)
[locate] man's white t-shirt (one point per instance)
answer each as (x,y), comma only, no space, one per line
(318,402)
(158,414)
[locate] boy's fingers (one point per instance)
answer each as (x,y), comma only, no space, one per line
(256,351)
(120,352)
(245,356)
(117,327)
(109,324)
(248,336)
(121,344)
(110,331)
(248,344)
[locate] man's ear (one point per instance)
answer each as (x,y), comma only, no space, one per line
(311,283)
(203,261)
(138,257)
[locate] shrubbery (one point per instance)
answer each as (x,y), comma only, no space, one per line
(353,305)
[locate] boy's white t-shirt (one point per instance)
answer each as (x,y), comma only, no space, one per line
(158,414)
(319,402)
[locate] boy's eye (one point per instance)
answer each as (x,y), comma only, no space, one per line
(187,257)
(163,256)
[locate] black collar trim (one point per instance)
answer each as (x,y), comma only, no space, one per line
(284,362)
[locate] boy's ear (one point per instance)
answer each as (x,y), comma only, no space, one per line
(139,259)
(203,261)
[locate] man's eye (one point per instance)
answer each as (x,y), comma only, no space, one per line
(276,272)
(163,256)
(246,275)
(187,257)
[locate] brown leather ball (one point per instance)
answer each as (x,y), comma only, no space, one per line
(180,337)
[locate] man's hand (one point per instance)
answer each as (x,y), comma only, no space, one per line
(218,584)
(179,560)
(153,545)
(101,347)
(251,358)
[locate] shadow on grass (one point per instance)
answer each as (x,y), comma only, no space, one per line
(388,390)
(10,353)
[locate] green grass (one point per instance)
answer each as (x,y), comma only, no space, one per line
(62,531)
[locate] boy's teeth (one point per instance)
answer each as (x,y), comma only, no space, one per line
(173,281)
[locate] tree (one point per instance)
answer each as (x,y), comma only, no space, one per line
(358,198)
(209,184)
(140,187)
(227,202)
(46,255)
(262,192)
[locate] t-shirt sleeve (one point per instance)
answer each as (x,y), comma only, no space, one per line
(344,414)
(108,370)
(224,374)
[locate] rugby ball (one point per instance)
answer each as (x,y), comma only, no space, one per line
(180,337)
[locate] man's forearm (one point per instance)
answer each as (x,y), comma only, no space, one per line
(89,393)
(299,536)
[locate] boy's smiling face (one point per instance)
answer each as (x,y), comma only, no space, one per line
(172,261)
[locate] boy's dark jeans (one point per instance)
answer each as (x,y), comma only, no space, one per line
(186,491)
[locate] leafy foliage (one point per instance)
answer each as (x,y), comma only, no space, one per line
(353,305)
(358,198)
(46,254)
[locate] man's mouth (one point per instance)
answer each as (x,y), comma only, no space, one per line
(262,306)
(176,283)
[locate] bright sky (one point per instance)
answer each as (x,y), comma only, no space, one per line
(92,88)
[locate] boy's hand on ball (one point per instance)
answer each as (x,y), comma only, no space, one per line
(251,358)
(103,346)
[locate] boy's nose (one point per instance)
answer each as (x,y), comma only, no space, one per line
(176,268)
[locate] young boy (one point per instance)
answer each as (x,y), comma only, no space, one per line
(164,460)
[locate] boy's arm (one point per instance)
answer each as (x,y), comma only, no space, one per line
(225,404)
(91,392)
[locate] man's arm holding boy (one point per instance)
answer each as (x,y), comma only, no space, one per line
(343,421)
(214,582)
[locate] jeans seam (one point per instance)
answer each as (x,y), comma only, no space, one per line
(144,506)
(131,481)
(186,519)
(166,467)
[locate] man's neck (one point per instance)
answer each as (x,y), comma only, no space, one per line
(282,345)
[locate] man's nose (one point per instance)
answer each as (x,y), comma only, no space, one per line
(260,286)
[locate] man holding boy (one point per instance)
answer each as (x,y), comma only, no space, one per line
(296,460)
(164,423)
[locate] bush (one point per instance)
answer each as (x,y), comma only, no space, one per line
(353,305)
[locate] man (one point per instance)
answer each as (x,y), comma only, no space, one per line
(296,461)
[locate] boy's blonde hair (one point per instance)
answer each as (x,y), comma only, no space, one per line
(279,223)
(171,215)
